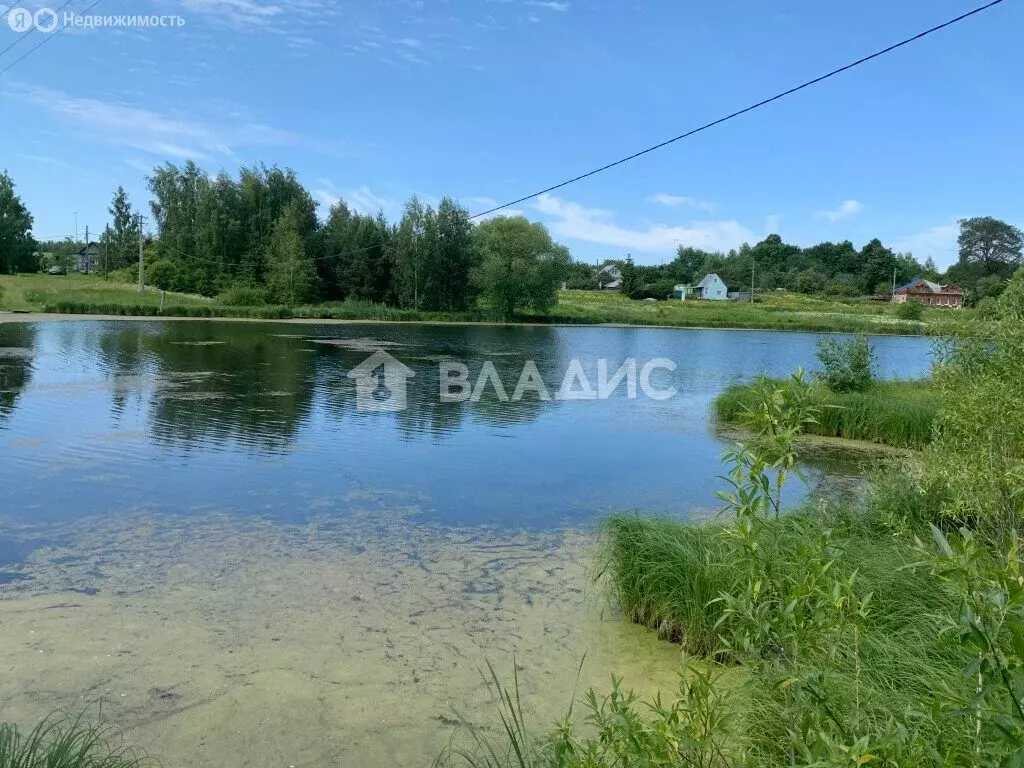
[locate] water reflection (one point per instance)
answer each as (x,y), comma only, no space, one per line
(16,353)
(261,418)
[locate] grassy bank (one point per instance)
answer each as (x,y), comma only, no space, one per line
(90,294)
(35,293)
(771,311)
(896,413)
(671,576)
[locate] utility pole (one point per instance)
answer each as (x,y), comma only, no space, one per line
(751,282)
(142,266)
(894,281)
(87,249)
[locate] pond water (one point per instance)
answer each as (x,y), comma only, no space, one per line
(205,527)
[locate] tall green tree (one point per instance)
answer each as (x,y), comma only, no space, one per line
(631,286)
(291,277)
(410,253)
(17,245)
(521,267)
(991,243)
(121,239)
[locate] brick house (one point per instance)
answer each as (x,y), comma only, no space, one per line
(930,294)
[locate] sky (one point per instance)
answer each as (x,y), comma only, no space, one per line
(486,101)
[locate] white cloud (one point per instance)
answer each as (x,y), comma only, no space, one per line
(592,225)
(365,201)
(410,42)
(771,224)
(846,209)
(484,203)
(551,5)
(676,200)
(532,18)
(166,135)
(362,200)
(237,12)
(939,242)
(327,198)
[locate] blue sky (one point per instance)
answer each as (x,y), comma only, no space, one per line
(488,100)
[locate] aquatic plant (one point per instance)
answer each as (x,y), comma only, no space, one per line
(897,413)
(62,742)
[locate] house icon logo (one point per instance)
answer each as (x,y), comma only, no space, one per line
(380,383)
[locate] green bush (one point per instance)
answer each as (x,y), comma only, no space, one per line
(911,309)
(126,275)
(242,295)
(849,366)
(160,274)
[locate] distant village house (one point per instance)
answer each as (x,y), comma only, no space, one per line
(87,257)
(711,288)
(930,294)
(609,278)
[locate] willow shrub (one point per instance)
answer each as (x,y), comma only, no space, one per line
(975,464)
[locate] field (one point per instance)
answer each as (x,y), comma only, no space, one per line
(88,294)
(771,311)
(34,293)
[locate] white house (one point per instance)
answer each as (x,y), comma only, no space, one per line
(711,288)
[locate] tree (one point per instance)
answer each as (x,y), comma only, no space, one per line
(121,241)
(630,287)
(16,243)
(520,266)
(410,254)
(292,277)
(990,242)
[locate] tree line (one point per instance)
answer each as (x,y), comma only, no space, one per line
(257,238)
(990,251)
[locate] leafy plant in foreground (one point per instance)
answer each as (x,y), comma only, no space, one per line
(991,627)
(60,742)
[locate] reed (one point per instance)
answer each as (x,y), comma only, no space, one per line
(897,413)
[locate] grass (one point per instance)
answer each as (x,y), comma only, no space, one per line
(90,294)
(771,311)
(667,575)
(34,293)
(59,742)
(896,413)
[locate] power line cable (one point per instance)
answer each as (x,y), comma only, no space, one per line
(44,41)
(30,29)
(743,111)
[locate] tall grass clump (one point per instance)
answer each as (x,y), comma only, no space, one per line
(897,413)
(60,742)
(695,729)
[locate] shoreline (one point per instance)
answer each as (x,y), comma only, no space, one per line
(14,316)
